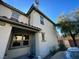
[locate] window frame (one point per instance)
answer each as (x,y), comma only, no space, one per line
(43,36)
(21,42)
(29,17)
(41,20)
(15,16)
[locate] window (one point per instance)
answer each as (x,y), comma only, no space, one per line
(25,39)
(43,36)
(14,16)
(42,20)
(29,20)
(20,40)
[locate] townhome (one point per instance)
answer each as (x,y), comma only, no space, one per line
(31,33)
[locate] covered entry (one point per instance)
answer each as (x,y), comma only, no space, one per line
(21,42)
(19,39)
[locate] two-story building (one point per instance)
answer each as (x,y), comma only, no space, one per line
(20,34)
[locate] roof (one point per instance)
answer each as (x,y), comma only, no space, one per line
(11,7)
(30,10)
(37,10)
(19,24)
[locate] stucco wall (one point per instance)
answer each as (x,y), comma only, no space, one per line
(17,52)
(23,19)
(5,33)
(4,11)
(4,37)
(43,47)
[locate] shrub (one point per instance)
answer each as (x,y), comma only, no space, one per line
(62,47)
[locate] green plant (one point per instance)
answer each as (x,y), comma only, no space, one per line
(62,47)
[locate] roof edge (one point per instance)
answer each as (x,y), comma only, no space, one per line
(36,9)
(11,7)
(18,23)
(29,11)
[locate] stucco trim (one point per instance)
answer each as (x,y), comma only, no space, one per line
(20,25)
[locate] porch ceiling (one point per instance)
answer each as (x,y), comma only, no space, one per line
(20,25)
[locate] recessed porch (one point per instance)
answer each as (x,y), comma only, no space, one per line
(21,43)
(18,39)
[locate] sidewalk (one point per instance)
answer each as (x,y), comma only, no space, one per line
(59,55)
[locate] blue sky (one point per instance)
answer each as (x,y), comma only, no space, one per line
(52,8)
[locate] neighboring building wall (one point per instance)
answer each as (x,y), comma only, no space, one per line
(4,11)
(4,37)
(66,42)
(72,43)
(43,47)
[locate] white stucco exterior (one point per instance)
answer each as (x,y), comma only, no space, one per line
(17,52)
(42,47)
(4,37)
(23,19)
(5,34)
(4,11)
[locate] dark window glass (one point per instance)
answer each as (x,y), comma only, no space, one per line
(29,20)
(42,20)
(16,43)
(25,42)
(20,40)
(25,39)
(16,40)
(43,36)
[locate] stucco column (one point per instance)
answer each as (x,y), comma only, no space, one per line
(4,37)
(37,44)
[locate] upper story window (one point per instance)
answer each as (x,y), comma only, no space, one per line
(29,20)
(42,20)
(43,36)
(14,16)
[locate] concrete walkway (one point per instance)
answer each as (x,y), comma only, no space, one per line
(59,55)
(22,57)
(25,57)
